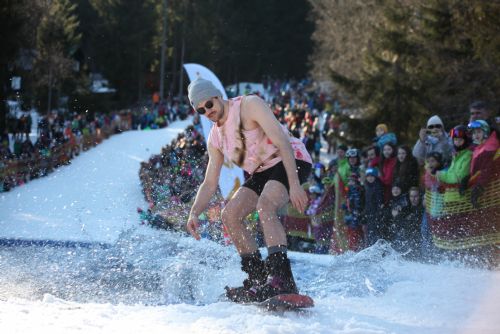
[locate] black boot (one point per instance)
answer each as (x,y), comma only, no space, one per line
(280,271)
(280,280)
(257,275)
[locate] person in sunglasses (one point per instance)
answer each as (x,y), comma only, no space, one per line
(245,132)
(480,110)
(433,138)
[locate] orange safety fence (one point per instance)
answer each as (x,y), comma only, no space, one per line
(456,223)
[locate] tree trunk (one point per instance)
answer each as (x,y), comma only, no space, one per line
(163,50)
(49,99)
(181,68)
(174,72)
(3,97)
(139,79)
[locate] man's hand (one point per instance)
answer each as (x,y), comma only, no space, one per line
(476,192)
(299,198)
(464,184)
(396,211)
(422,135)
(192,226)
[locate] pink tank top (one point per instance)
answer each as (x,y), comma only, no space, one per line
(251,150)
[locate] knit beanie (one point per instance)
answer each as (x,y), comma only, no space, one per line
(435,120)
(200,90)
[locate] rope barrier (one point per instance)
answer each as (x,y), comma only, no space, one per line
(456,223)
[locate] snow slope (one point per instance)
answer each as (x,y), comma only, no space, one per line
(94,199)
(128,278)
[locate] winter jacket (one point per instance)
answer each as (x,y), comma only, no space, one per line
(354,206)
(384,139)
(387,176)
(442,145)
(372,214)
(344,170)
(407,236)
(407,173)
(482,157)
(399,203)
(374,197)
(459,168)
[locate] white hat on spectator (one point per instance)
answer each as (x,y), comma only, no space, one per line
(435,120)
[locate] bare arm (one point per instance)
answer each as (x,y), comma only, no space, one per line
(207,189)
(256,110)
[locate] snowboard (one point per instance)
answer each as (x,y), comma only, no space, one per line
(287,302)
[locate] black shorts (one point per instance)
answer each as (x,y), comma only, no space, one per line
(257,181)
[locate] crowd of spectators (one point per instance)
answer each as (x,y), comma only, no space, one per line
(160,113)
(28,150)
(386,190)
(57,138)
(411,197)
(170,179)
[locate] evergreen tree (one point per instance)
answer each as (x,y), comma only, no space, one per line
(12,14)
(342,36)
(238,40)
(458,65)
(424,58)
(122,43)
(245,40)
(57,40)
(388,90)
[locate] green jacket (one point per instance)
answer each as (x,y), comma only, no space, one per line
(459,168)
(344,170)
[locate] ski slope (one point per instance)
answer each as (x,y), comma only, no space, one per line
(92,200)
(109,274)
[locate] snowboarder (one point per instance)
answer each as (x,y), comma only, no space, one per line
(245,132)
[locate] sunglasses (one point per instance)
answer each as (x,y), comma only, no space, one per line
(208,105)
(434,126)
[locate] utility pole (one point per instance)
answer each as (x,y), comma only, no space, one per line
(163,50)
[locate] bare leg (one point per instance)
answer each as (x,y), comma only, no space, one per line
(273,197)
(241,205)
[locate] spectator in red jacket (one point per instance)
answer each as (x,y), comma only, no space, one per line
(386,167)
(486,146)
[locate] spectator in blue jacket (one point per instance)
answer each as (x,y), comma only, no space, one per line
(374,202)
(353,208)
(383,136)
